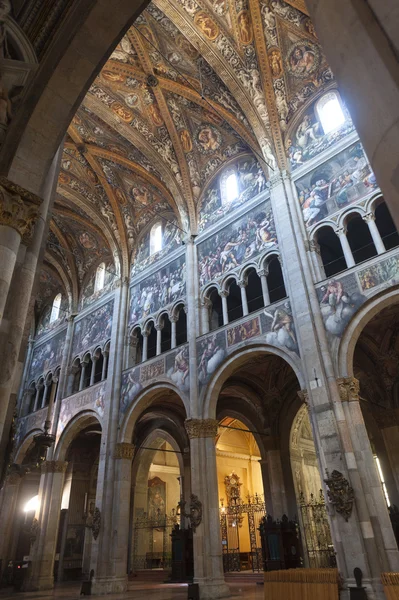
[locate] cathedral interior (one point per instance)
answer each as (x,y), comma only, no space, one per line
(199,299)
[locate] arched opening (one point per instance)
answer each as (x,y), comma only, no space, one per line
(166,333)
(88,367)
(98,366)
(234,302)
(216,309)
(254,291)
(31,397)
(55,310)
(181,326)
(275,280)
(152,340)
(100,278)
(75,377)
(386,226)
(331,252)
(156,238)
(359,238)
(40,394)
(135,355)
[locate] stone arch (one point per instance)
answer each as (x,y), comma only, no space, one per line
(76,424)
(211,393)
(25,446)
(352,333)
(347,214)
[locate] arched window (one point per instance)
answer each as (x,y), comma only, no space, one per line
(100,278)
(55,311)
(156,238)
(231,191)
(329,111)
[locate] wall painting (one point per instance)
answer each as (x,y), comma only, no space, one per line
(92,329)
(89,295)
(236,243)
(171,239)
(156,498)
(93,398)
(47,355)
(342,180)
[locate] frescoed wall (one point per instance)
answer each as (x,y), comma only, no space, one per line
(93,328)
(89,295)
(308,139)
(218,200)
(47,355)
(236,243)
(344,179)
(29,423)
(92,398)
(44,326)
(171,239)
(158,290)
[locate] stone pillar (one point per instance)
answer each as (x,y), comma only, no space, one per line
(105,365)
(94,359)
(145,345)
(243,287)
(36,406)
(208,563)
(123,474)
(18,214)
(360,539)
(48,517)
(265,288)
(173,321)
(47,385)
(206,306)
(365,65)
(224,294)
(315,257)
(375,234)
(346,249)
(159,328)
(277,504)
(82,374)
(9,497)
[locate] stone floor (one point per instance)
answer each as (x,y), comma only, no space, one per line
(138,591)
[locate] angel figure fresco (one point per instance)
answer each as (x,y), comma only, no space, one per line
(282,332)
(185,139)
(212,355)
(276,64)
(180,371)
(244,25)
(338,306)
(302,60)
(142,195)
(155,114)
(208,27)
(208,139)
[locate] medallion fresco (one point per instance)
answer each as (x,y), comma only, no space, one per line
(92,398)
(47,355)
(93,328)
(342,180)
(236,243)
(158,290)
(173,365)
(251,181)
(274,326)
(308,139)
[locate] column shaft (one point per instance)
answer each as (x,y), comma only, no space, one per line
(375,234)
(225,309)
(346,249)
(265,289)
(244,300)
(9,244)
(173,334)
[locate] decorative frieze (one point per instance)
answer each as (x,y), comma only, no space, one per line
(201,428)
(348,389)
(19,208)
(124,450)
(54,466)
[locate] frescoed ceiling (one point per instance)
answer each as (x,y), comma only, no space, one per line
(192,84)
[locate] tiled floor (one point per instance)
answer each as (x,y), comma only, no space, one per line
(139,591)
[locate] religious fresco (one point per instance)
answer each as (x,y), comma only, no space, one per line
(279,328)
(88,295)
(86,399)
(236,243)
(342,180)
(173,365)
(93,328)
(171,239)
(29,423)
(156,498)
(308,138)
(158,290)
(380,275)
(243,331)
(211,351)
(47,355)
(215,203)
(44,326)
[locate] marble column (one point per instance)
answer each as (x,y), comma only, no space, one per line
(159,328)
(36,406)
(243,287)
(223,294)
(346,249)
(105,365)
(94,359)
(8,505)
(360,538)
(47,517)
(277,500)
(145,335)
(19,296)
(173,321)
(265,288)
(375,234)
(365,65)
(388,423)
(315,257)
(206,307)
(208,563)
(83,365)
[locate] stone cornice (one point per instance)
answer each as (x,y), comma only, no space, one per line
(19,208)
(124,450)
(201,428)
(237,455)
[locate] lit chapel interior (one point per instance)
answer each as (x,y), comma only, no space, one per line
(199,299)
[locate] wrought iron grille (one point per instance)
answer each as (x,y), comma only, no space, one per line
(148,531)
(316,532)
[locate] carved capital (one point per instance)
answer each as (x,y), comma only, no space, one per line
(348,389)
(242,283)
(263,272)
(340,231)
(54,466)
(124,450)
(19,208)
(304,396)
(223,293)
(159,326)
(369,217)
(174,318)
(201,428)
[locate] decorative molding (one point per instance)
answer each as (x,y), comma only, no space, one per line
(19,208)
(124,450)
(201,428)
(348,389)
(340,493)
(54,466)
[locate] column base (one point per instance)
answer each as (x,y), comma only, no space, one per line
(374,588)
(38,584)
(212,590)
(108,585)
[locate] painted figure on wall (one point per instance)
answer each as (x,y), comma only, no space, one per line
(93,328)
(47,355)
(156,498)
(130,387)
(88,295)
(207,25)
(303,59)
(208,139)
(244,25)
(158,291)
(211,352)
(381,274)
(236,243)
(338,304)
(342,180)
(171,239)
(180,370)
(243,332)
(281,327)
(219,199)
(186,141)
